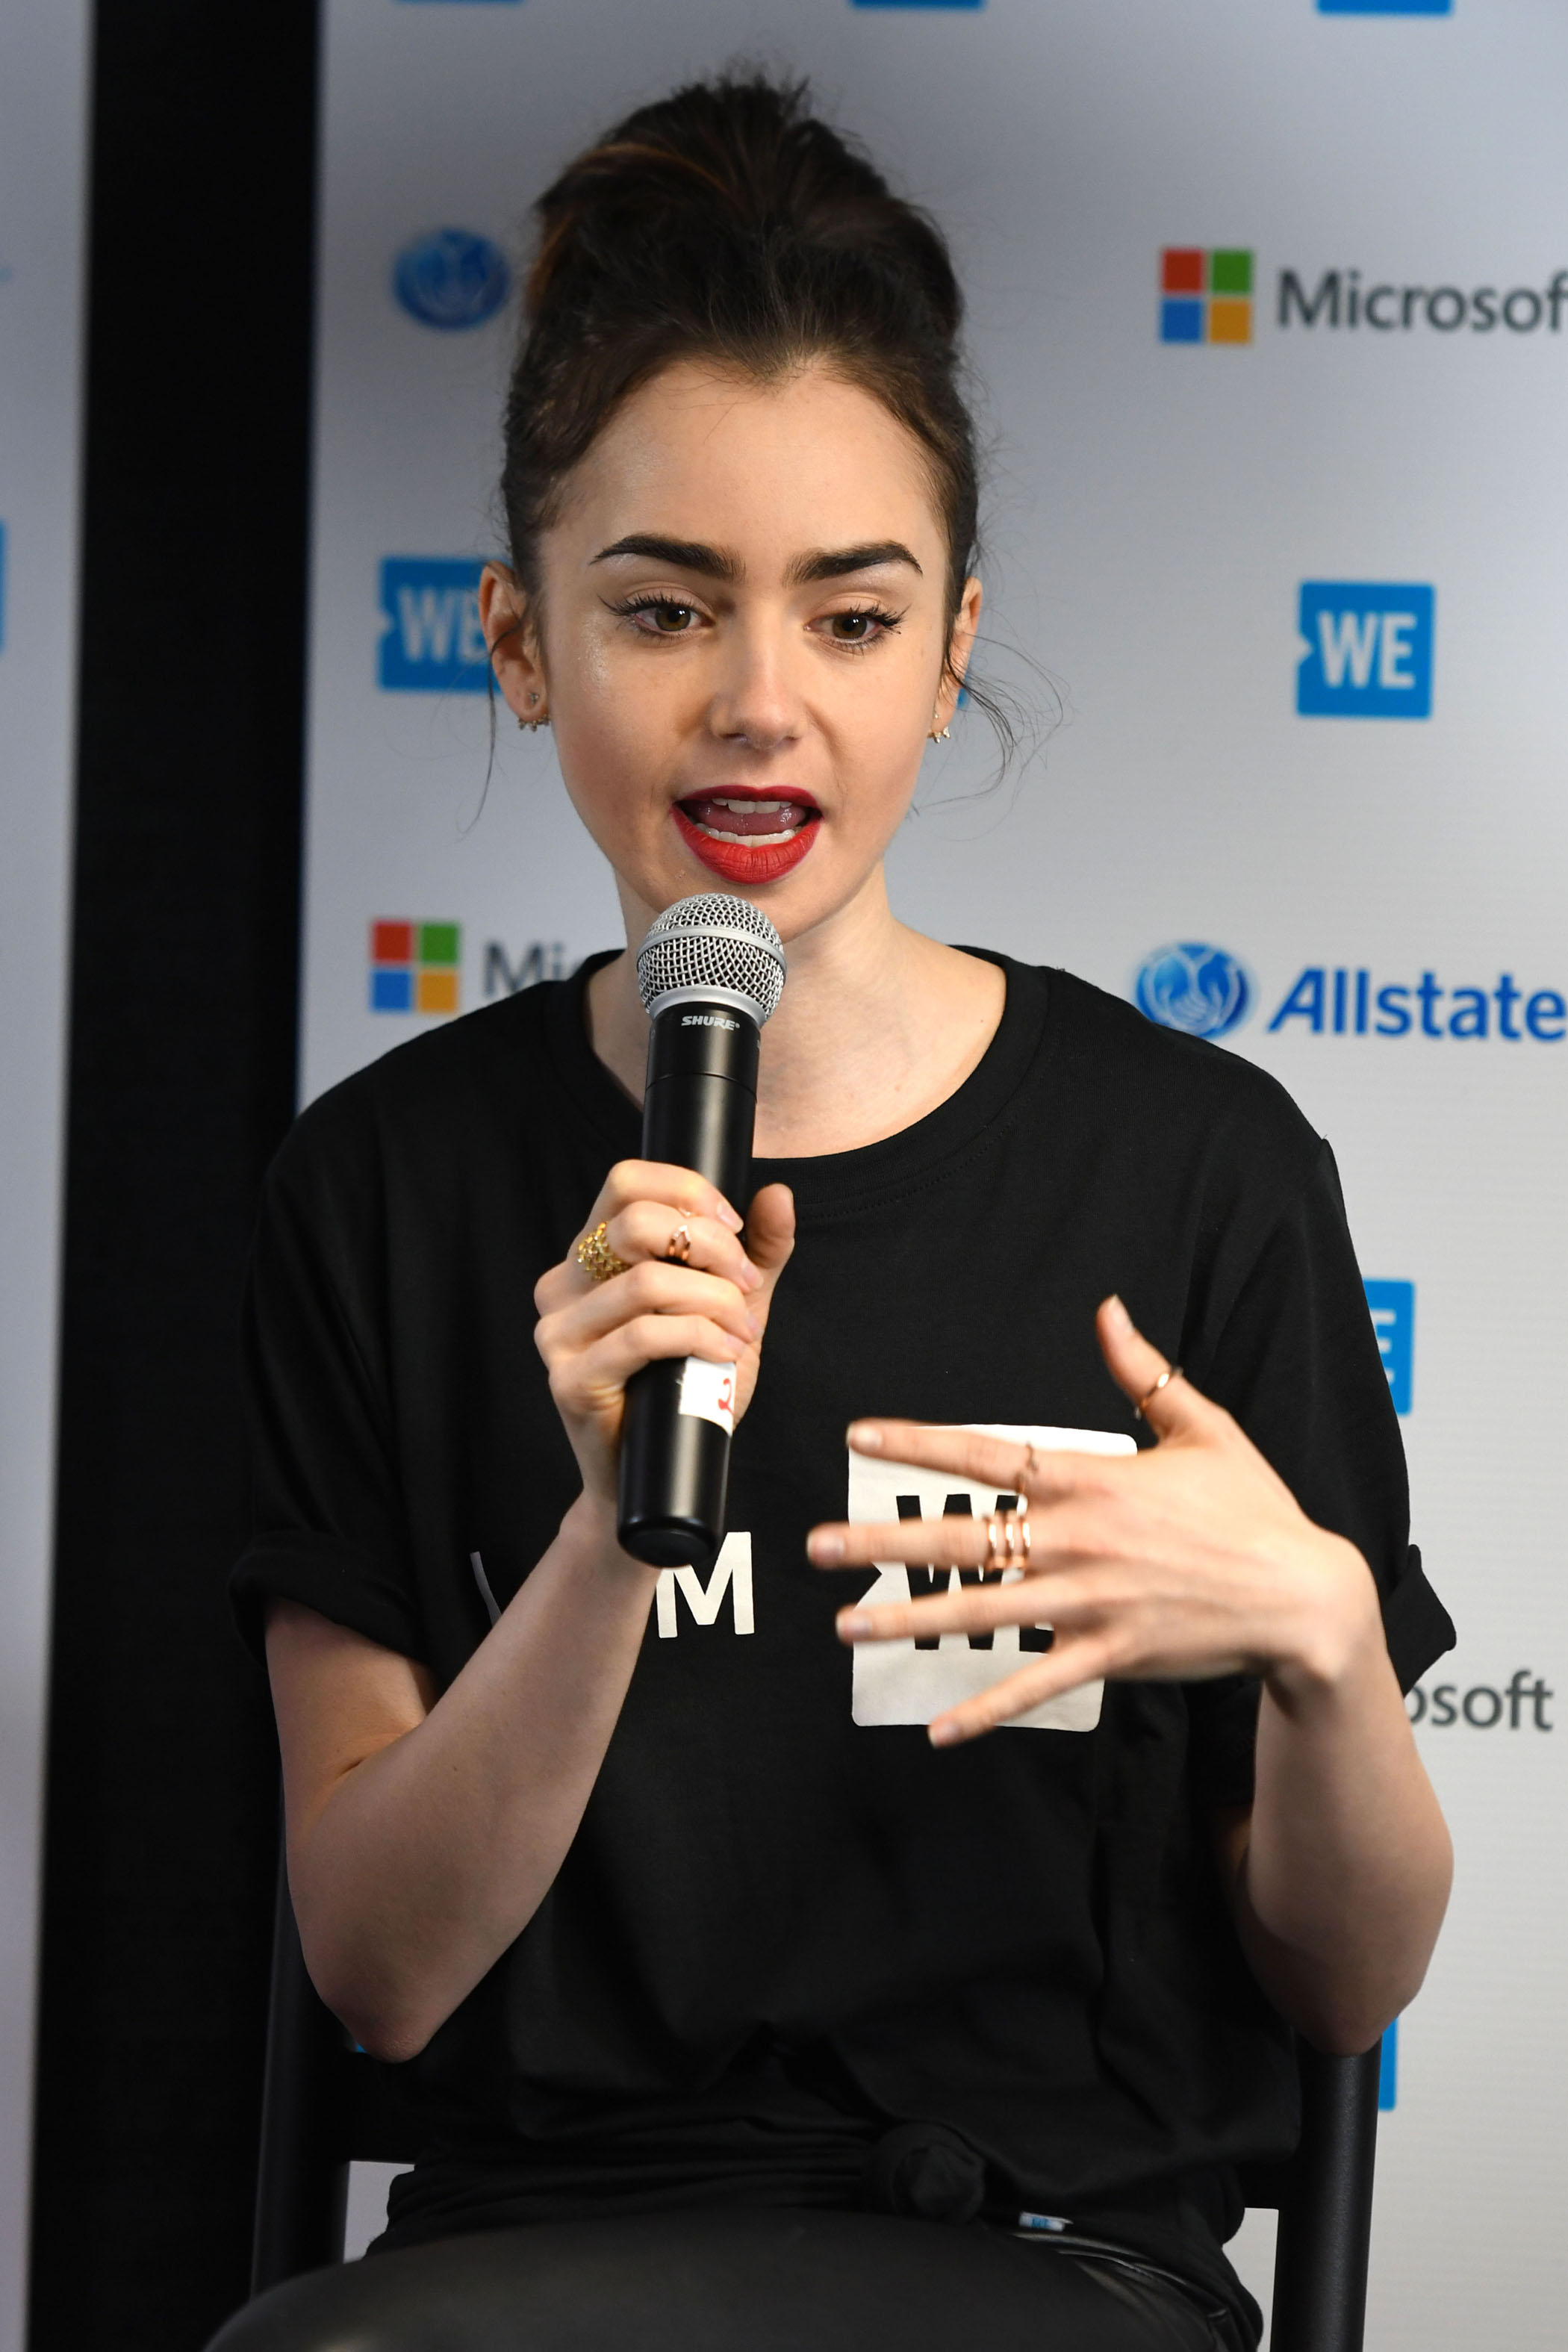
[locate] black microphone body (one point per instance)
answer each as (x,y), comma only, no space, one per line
(710,972)
(699,1112)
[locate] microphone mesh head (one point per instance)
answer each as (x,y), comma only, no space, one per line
(712,941)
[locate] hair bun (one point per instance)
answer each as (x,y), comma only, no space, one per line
(735,165)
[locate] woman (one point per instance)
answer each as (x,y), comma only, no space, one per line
(687,1911)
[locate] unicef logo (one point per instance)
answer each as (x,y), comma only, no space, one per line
(1201,991)
(451,279)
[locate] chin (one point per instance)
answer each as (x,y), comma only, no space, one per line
(797,892)
(799,902)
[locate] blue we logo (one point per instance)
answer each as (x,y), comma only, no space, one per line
(1392,1305)
(431,641)
(1367,650)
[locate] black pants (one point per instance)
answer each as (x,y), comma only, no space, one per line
(751,2281)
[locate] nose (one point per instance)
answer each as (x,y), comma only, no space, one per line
(755,705)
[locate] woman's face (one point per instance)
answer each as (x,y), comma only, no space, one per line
(742,637)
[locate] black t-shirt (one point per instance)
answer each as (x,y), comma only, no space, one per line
(787,1925)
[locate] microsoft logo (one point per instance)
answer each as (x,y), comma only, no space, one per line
(1205,297)
(413,967)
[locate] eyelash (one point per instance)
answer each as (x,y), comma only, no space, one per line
(636,604)
(884,621)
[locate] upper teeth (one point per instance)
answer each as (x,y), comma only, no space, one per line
(749,807)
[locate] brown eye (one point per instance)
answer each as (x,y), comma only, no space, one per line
(671,620)
(853,628)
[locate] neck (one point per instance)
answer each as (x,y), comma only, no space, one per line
(878,1025)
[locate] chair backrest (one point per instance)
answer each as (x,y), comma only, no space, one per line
(1324,2196)
(325,2104)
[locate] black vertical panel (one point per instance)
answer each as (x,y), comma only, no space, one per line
(158,1869)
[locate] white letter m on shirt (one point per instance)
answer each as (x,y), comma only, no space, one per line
(731,1574)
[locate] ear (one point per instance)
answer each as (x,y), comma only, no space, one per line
(959,645)
(513,642)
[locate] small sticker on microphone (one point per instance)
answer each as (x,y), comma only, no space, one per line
(707,1392)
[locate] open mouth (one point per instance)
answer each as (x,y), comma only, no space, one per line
(748,837)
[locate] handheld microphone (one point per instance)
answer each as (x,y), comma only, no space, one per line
(710,972)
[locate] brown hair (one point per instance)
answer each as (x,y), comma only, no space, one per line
(726,222)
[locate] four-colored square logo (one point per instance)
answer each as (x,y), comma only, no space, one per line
(1205,294)
(416,967)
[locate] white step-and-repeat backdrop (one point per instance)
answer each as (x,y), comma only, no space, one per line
(43,166)
(1270,302)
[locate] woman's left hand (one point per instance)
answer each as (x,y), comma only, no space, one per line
(1190,1560)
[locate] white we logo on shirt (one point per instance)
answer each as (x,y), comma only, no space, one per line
(897,1682)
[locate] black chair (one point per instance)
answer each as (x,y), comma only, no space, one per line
(325,2104)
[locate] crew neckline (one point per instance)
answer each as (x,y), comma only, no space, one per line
(837,1178)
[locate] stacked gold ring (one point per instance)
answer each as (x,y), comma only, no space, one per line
(597,1258)
(1008,1539)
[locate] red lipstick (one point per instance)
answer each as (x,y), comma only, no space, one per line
(747,834)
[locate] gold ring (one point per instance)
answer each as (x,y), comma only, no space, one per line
(596,1256)
(1008,1539)
(678,1249)
(1172,1373)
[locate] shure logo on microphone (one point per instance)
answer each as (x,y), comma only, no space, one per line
(707,1021)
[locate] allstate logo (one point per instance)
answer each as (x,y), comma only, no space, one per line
(1202,990)
(451,279)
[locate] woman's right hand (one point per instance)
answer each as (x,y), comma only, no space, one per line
(595,1335)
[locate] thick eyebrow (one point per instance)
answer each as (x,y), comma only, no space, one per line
(715,563)
(685,554)
(833,563)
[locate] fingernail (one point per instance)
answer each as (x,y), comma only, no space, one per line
(825,1548)
(751,1276)
(854,1625)
(864,1436)
(944,1732)
(754,1325)
(726,1216)
(1117,1313)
